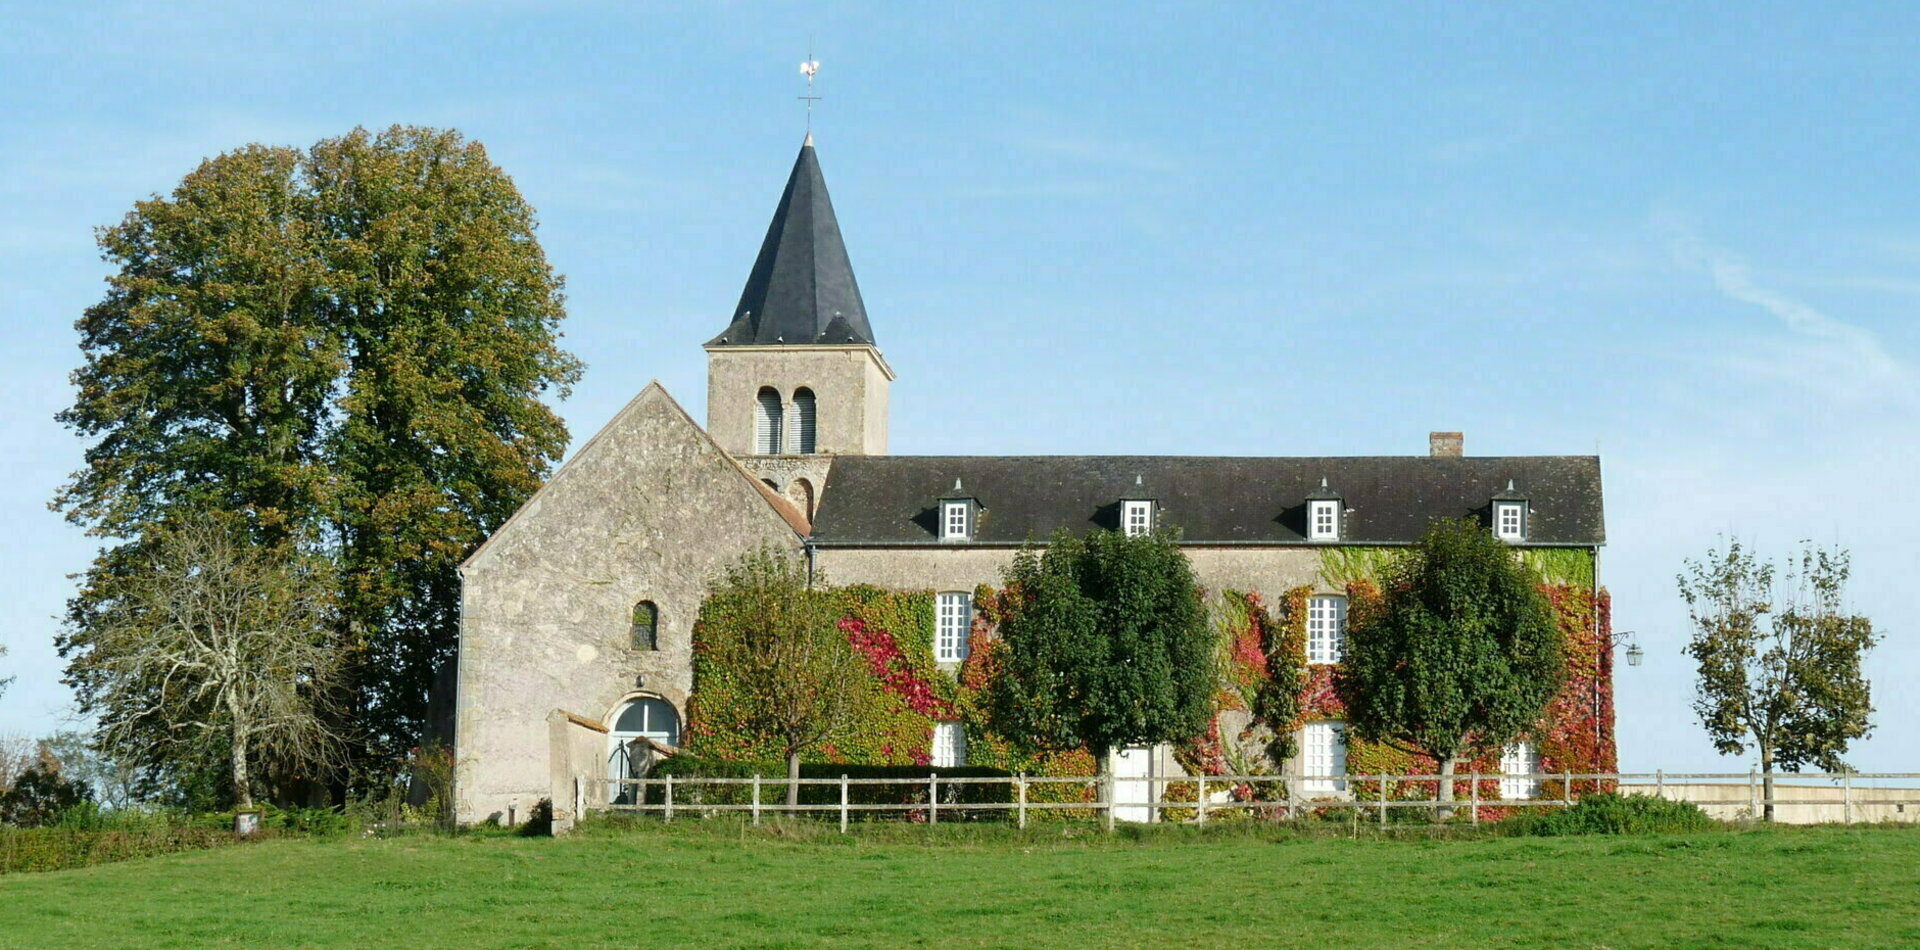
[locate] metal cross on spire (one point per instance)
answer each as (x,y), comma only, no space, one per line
(808,69)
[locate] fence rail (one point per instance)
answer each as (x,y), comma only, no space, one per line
(1147,798)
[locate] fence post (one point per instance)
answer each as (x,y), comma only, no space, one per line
(1383,800)
(1659,783)
(1846,795)
(756,798)
(1566,787)
(1020,784)
(1200,797)
(843,803)
(669,809)
(933,798)
(1474,794)
(1106,789)
(1753,794)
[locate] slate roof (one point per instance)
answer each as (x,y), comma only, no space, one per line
(890,500)
(801,290)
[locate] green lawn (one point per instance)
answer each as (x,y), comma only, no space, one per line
(692,887)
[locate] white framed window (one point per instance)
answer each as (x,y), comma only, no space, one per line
(1136,517)
(1518,760)
(1323,758)
(955,521)
(953,622)
(949,744)
(1323,521)
(1326,629)
(1510,520)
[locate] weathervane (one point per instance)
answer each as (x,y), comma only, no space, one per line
(808,69)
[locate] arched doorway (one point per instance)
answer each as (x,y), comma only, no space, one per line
(642,727)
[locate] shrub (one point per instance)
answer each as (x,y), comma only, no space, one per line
(1613,814)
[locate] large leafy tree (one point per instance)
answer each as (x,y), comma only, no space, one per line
(1105,643)
(347,345)
(1778,669)
(1459,656)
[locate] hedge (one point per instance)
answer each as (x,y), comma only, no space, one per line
(687,770)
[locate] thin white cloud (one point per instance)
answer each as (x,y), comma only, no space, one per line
(1821,352)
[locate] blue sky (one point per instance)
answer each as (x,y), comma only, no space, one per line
(1685,235)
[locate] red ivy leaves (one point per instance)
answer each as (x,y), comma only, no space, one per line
(890,665)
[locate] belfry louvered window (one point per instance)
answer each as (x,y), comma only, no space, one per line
(803,426)
(766,428)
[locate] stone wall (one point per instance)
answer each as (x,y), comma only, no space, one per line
(850,386)
(649,509)
(1269,571)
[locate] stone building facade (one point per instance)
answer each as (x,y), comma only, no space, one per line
(577,614)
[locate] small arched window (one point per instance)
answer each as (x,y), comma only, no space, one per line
(803,421)
(766,428)
(646,626)
(803,496)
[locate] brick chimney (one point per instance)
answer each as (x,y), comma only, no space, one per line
(1446,445)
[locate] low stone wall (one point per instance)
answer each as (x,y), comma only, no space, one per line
(576,767)
(1796,804)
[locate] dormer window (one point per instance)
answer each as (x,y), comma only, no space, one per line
(1510,515)
(956,521)
(1324,508)
(959,514)
(1136,518)
(1325,520)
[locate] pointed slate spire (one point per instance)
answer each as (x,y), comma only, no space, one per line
(802,288)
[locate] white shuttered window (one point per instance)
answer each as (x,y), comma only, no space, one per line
(1323,758)
(949,745)
(803,421)
(1326,629)
(766,423)
(1136,517)
(954,621)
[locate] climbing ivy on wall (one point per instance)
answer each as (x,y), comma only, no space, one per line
(1267,688)
(892,631)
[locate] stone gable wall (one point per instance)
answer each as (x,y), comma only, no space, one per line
(650,509)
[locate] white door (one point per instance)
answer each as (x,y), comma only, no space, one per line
(1132,792)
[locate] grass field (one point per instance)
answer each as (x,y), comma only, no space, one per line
(696,886)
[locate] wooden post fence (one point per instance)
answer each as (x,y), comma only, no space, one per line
(843,803)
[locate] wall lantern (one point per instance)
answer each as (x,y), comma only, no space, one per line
(1634,653)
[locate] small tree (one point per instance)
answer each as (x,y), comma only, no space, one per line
(40,795)
(1781,672)
(1106,645)
(803,678)
(1460,655)
(212,643)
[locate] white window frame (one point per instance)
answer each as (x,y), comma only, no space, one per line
(1323,520)
(952,626)
(1323,758)
(949,745)
(956,521)
(1517,512)
(1326,628)
(1136,518)
(1519,758)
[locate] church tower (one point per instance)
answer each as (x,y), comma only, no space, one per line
(796,378)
